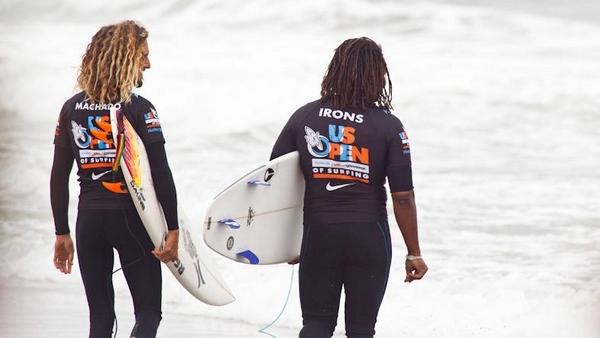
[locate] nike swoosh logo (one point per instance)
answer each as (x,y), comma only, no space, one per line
(330,187)
(95,177)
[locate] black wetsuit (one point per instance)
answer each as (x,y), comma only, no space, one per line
(106,216)
(345,156)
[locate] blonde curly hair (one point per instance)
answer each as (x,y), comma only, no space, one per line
(113,62)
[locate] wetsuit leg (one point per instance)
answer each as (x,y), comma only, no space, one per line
(95,256)
(320,279)
(366,273)
(142,272)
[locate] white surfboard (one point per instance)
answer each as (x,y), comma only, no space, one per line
(258,219)
(192,269)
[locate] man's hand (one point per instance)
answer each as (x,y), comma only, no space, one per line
(415,269)
(169,251)
(63,253)
(295,260)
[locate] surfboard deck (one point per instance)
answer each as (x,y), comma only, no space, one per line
(258,219)
(193,270)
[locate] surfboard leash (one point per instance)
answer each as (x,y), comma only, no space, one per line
(287,298)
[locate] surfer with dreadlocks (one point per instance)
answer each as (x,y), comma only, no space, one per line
(349,143)
(112,67)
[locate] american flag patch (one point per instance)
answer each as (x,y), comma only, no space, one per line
(405,143)
(152,121)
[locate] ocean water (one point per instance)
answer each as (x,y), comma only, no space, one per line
(501,103)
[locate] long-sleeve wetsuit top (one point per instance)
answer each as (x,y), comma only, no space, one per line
(345,156)
(83,133)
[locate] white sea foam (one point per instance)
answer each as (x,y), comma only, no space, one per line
(501,108)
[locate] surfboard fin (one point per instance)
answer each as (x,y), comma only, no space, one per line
(230,223)
(259,182)
(250,256)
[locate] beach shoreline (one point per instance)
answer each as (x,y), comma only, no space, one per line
(55,310)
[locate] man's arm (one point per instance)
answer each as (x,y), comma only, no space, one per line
(167,197)
(148,127)
(405,211)
(59,200)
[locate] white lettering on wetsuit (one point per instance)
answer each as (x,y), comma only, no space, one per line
(96,106)
(341,115)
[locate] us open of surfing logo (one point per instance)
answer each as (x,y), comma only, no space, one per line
(337,155)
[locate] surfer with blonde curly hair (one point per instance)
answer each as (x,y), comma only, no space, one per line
(114,63)
(112,66)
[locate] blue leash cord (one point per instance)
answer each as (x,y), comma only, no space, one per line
(264,329)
